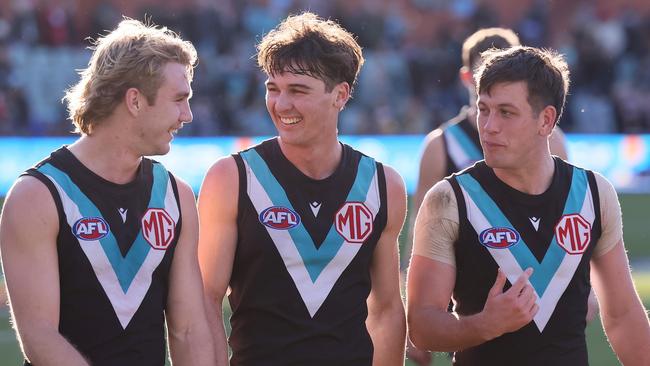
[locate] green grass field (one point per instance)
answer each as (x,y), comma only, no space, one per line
(636,214)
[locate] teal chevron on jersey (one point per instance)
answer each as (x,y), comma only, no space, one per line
(125,279)
(465,143)
(314,259)
(125,267)
(544,271)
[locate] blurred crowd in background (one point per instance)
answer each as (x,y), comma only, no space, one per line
(409,84)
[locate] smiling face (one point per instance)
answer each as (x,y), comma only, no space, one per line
(160,121)
(302,110)
(512,134)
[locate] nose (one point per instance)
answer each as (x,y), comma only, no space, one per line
(282,102)
(489,123)
(186,115)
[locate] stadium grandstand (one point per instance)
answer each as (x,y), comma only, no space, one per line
(412,47)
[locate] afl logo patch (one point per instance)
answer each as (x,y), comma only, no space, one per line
(90,228)
(353,221)
(158,228)
(279,218)
(499,237)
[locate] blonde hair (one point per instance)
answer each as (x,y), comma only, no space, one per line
(131,56)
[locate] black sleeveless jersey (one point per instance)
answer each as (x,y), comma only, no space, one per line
(462,143)
(554,233)
(301,273)
(115,246)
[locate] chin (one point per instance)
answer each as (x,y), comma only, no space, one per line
(494,163)
(160,150)
(291,139)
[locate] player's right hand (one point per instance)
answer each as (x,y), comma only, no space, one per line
(509,311)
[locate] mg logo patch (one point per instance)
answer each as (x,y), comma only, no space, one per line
(499,237)
(90,228)
(279,218)
(158,228)
(354,222)
(573,233)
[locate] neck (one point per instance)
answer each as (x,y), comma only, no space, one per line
(316,161)
(532,179)
(107,156)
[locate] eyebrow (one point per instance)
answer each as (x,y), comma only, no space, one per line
(500,105)
(294,85)
(184,95)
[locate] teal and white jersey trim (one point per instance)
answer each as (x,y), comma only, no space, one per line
(461,148)
(551,277)
(313,270)
(125,279)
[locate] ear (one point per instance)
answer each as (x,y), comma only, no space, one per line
(133,100)
(342,92)
(547,120)
(466,76)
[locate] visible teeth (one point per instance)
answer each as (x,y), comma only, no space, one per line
(291,121)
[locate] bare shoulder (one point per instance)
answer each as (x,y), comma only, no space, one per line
(605,187)
(440,197)
(29,195)
(220,187)
(610,206)
(184,190)
(222,175)
(394,182)
(29,213)
(396,192)
(433,144)
(224,170)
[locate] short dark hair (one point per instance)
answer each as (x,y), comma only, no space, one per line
(545,72)
(484,39)
(309,45)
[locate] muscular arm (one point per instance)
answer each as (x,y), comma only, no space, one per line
(218,202)
(624,318)
(386,321)
(28,229)
(431,281)
(189,336)
(622,313)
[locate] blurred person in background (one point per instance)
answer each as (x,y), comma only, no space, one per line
(303,228)
(549,228)
(99,244)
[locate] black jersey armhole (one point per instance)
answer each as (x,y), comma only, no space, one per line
(383,193)
(460,199)
(243,186)
(591,179)
(33,172)
(177,195)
